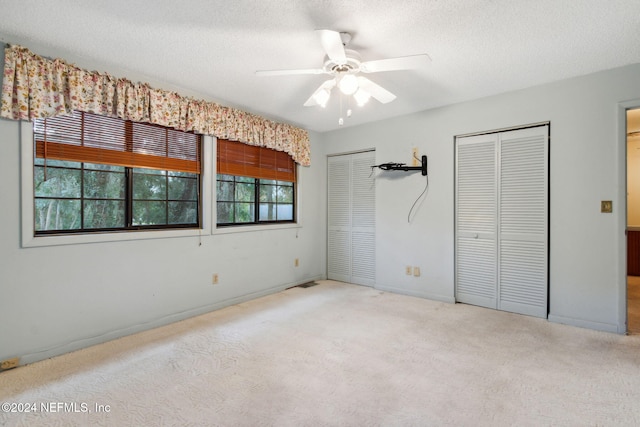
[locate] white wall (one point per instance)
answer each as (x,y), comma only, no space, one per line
(586,246)
(59,298)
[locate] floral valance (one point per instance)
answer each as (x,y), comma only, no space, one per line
(36,87)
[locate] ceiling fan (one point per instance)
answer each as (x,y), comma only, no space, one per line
(344,67)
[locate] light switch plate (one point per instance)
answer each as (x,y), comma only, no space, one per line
(606,206)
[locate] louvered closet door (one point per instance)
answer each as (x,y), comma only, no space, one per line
(351,218)
(502,220)
(339,219)
(363,219)
(476,221)
(524,221)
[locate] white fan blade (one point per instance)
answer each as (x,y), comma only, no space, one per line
(393,64)
(332,45)
(327,85)
(377,91)
(289,72)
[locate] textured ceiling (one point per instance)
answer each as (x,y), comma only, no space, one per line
(213,47)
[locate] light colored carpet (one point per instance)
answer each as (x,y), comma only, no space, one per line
(340,355)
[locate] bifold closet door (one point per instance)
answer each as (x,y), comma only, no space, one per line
(476,220)
(351,218)
(502,220)
(523,218)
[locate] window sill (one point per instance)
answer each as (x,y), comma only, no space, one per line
(29,240)
(252,228)
(78,239)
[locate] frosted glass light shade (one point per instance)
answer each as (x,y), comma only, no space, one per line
(361,97)
(348,84)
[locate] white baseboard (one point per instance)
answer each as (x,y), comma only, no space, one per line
(155,323)
(420,294)
(604,327)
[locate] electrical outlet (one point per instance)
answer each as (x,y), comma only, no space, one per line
(415,159)
(296,262)
(408,270)
(214,279)
(416,271)
(9,363)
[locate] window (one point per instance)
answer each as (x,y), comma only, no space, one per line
(255,185)
(97,173)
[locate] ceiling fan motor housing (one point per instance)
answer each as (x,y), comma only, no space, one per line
(343,65)
(351,65)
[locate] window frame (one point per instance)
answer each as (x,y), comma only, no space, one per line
(128,200)
(256,203)
(30,239)
(138,149)
(254,162)
(208,201)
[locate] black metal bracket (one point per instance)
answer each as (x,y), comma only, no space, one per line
(404,167)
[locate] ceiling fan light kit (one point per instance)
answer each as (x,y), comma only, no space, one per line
(348,84)
(361,96)
(344,65)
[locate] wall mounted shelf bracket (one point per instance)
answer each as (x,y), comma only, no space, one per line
(404,167)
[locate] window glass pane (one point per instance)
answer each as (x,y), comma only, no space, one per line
(285,194)
(245,192)
(267,212)
(149,213)
(98,166)
(182,174)
(59,163)
(57,214)
(276,212)
(245,212)
(60,183)
(104,214)
(149,187)
(225,213)
(149,171)
(268,193)
(104,185)
(226,177)
(285,212)
(235,203)
(225,191)
(183,212)
(183,188)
